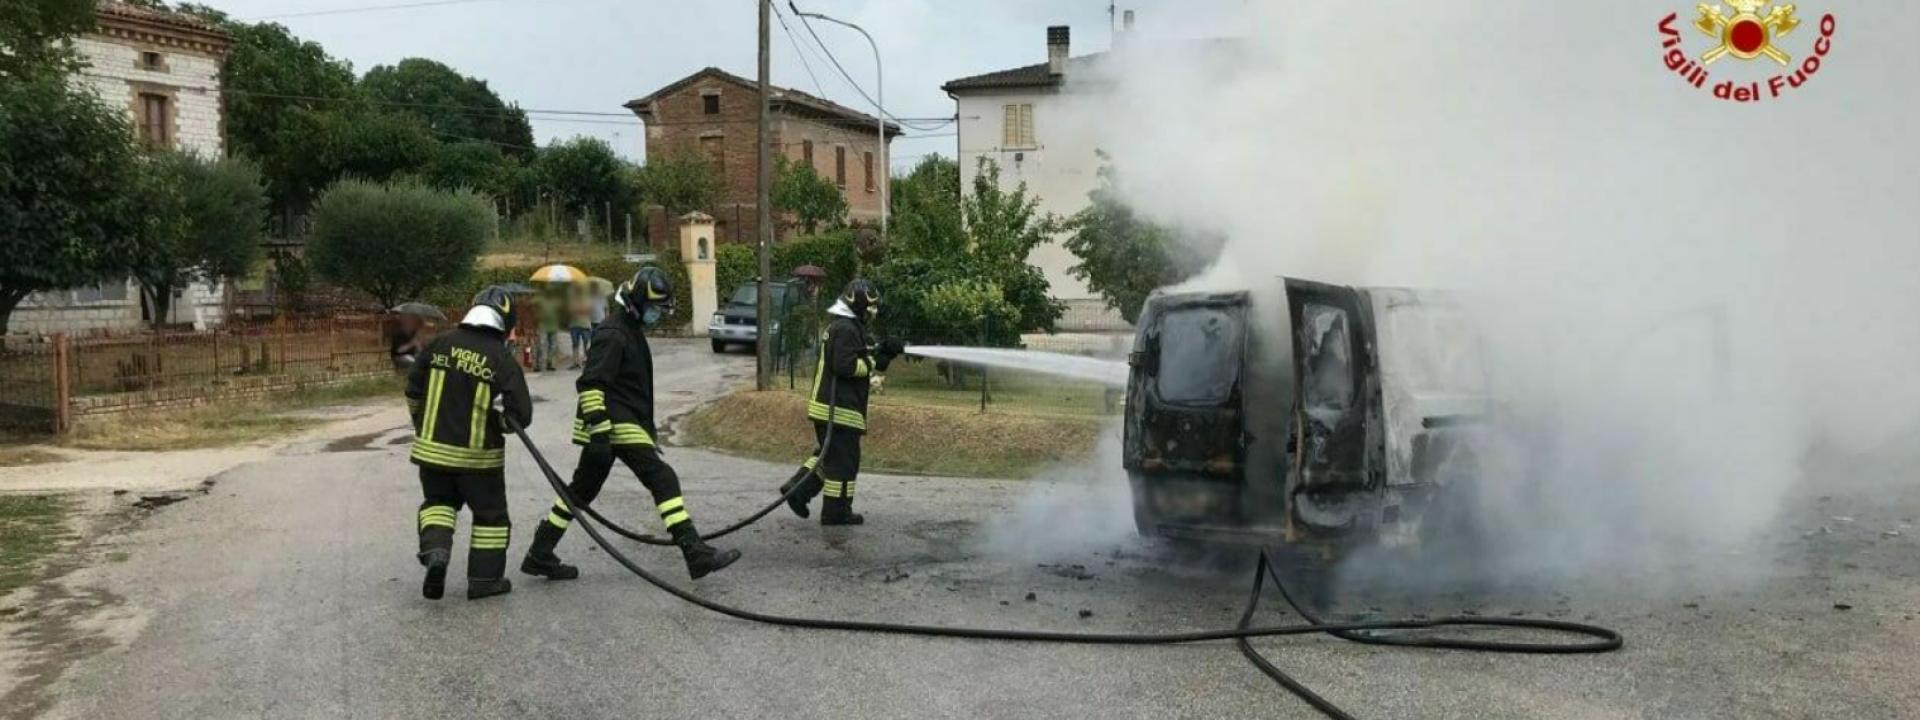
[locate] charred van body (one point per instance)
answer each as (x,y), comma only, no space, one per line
(1302,413)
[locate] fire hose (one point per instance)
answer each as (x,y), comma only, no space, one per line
(1601,639)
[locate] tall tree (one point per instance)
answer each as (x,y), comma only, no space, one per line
(800,191)
(965,250)
(1125,257)
(681,182)
(585,175)
(279,91)
(31,34)
(69,182)
(472,165)
(371,145)
(395,240)
(451,105)
(209,215)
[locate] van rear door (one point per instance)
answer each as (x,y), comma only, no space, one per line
(1184,401)
(1332,359)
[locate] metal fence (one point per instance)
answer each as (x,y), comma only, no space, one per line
(46,382)
(28,391)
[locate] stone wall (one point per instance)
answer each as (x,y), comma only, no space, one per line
(190,79)
(113,307)
(239,389)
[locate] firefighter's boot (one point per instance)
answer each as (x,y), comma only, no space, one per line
(540,558)
(797,501)
(436,547)
(487,587)
(701,557)
(839,511)
(435,561)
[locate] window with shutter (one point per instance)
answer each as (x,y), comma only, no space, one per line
(840,167)
(154,120)
(806,152)
(867,159)
(1017,126)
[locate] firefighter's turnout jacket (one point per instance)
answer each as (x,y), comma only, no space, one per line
(844,370)
(616,388)
(450,396)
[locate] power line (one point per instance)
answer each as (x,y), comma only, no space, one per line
(798,50)
(844,74)
(368,8)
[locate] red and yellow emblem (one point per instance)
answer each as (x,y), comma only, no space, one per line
(1746,34)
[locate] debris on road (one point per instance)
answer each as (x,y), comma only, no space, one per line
(149,502)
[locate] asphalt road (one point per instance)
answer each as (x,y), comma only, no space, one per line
(289,590)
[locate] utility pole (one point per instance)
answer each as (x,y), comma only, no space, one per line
(763,353)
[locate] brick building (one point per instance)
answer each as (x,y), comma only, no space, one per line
(164,70)
(716,114)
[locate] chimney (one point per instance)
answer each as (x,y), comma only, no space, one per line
(1057,49)
(1126,21)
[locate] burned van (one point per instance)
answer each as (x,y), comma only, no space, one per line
(1301,413)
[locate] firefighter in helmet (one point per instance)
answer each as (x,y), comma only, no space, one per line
(838,406)
(457,393)
(615,421)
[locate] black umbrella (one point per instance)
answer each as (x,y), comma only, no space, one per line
(420,310)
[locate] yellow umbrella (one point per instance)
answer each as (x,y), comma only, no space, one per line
(558,273)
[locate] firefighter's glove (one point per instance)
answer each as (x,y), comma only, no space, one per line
(886,352)
(599,449)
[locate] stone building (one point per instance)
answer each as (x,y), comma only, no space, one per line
(164,69)
(716,114)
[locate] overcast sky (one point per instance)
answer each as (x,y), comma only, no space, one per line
(596,54)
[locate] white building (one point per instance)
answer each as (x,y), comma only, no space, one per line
(1035,126)
(165,70)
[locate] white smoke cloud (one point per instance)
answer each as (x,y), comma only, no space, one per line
(1609,220)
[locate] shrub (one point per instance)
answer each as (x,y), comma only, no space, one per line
(969,311)
(395,240)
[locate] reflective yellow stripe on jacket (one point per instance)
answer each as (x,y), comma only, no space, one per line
(454,456)
(841,416)
(583,434)
(818,410)
(436,379)
(477,426)
(631,434)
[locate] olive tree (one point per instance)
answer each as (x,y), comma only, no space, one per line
(395,240)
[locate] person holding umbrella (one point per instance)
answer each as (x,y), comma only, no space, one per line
(551,311)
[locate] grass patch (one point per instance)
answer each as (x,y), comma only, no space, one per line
(31,528)
(224,424)
(901,437)
(919,382)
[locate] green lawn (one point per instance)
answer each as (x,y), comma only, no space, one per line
(31,528)
(921,426)
(918,382)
